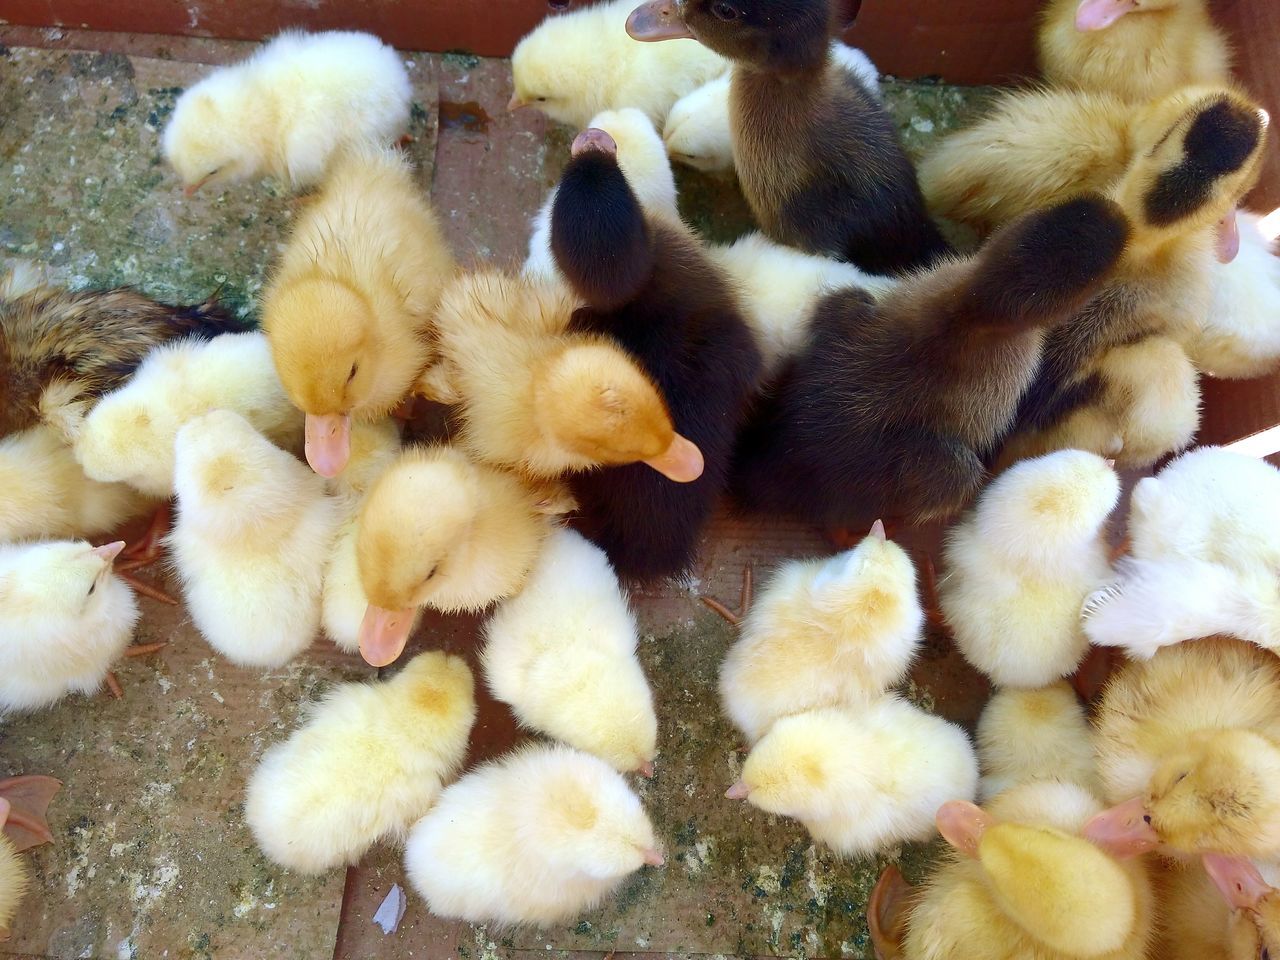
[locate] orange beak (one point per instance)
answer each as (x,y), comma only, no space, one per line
(384,633)
(1124,830)
(328,443)
(681,462)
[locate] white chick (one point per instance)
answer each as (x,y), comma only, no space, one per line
(253,532)
(46,493)
(287,109)
(1203,559)
(562,653)
(1028,735)
(64,619)
(369,761)
(780,286)
(861,781)
(128,436)
(1022,562)
(644,163)
(1240,335)
(825,633)
(535,837)
(574,65)
(697,131)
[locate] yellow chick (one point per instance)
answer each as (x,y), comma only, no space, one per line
(348,311)
(860,780)
(779,287)
(128,436)
(15,878)
(574,65)
(537,836)
(1188,746)
(1239,337)
(562,653)
(1136,49)
(1037,734)
(1023,883)
(1020,565)
(253,533)
(370,760)
(285,111)
(64,619)
(537,398)
(475,545)
(46,493)
(825,633)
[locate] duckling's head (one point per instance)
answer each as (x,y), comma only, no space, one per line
(795,769)
(871,589)
(1254,928)
(66,583)
(776,35)
(552,69)
(595,403)
(201,142)
(1099,14)
(1199,153)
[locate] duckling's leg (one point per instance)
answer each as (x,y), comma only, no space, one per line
(28,799)
(1120,549)
(146,589)
(137,650)
(113,686)
(744,604)
(149,549)
(929,594)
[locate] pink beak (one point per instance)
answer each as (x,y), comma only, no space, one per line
(877,531)
(646,769)
(328,443)
(1228,243)
(109,551)
(657,20)
(593,138)
(654,858)
(1238,880)
(384,633)
(681,462)
(1124,830)
(1100,14)
(739,791)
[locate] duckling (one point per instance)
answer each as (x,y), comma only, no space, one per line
(1188,744)
(860,780)
(537,398)
(697,131)
(15,878)
(129,435)
(1026,735)
(1136,49)
(252,536)
(1147,406)
(825,633)
(348,311)
(87,343)
(64,619)
(1246,923)
(367,764)
(817,154)
(644,163)
(474,546)
(574,65)
(287,109)
(538,836)
(1023,883)
(649,285)
(892,407)
(562,653)
(780,287)
(1021,564)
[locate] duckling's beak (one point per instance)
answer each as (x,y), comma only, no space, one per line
(594,138)
(1238,880)
(963,825)
(516,103)
(1100,14)
(877,531)
(1123,831)
(109,551)
(739,791)
(658,20)
(653,858)
(681,462)
(646,769)
(383,634)
(1228,244)
(328,443)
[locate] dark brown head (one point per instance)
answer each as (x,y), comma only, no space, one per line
(776,35)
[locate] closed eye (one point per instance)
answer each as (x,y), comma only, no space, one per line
(355,368)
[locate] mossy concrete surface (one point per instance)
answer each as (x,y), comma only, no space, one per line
(152,857)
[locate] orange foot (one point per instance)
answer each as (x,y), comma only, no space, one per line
(929,594)
(137,650)
(887,913)
(150,548)
(27,799)
(146,589)
(744,604)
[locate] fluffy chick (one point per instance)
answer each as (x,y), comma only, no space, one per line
(537,836)
(574,65)
(64,619)
(15,878)
(1239,336)
(84,343)
(860,780)
(780,287)
(474,546)
(369,761)
(129,435)
(825,633)
(253,532)
(286,110)
(46,493)
(1019,567)
(349,309)
(1228,911)
(562,653)
(1035,734)
(1136,49)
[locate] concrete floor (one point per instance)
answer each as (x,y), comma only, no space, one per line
(152,858)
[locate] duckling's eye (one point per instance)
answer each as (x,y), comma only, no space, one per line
(1265,954)
(431,573)
(539,99)
(725,11)
(355,368)
(92,587)
(1182,776)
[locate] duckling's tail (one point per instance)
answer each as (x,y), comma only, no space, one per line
(209,319)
